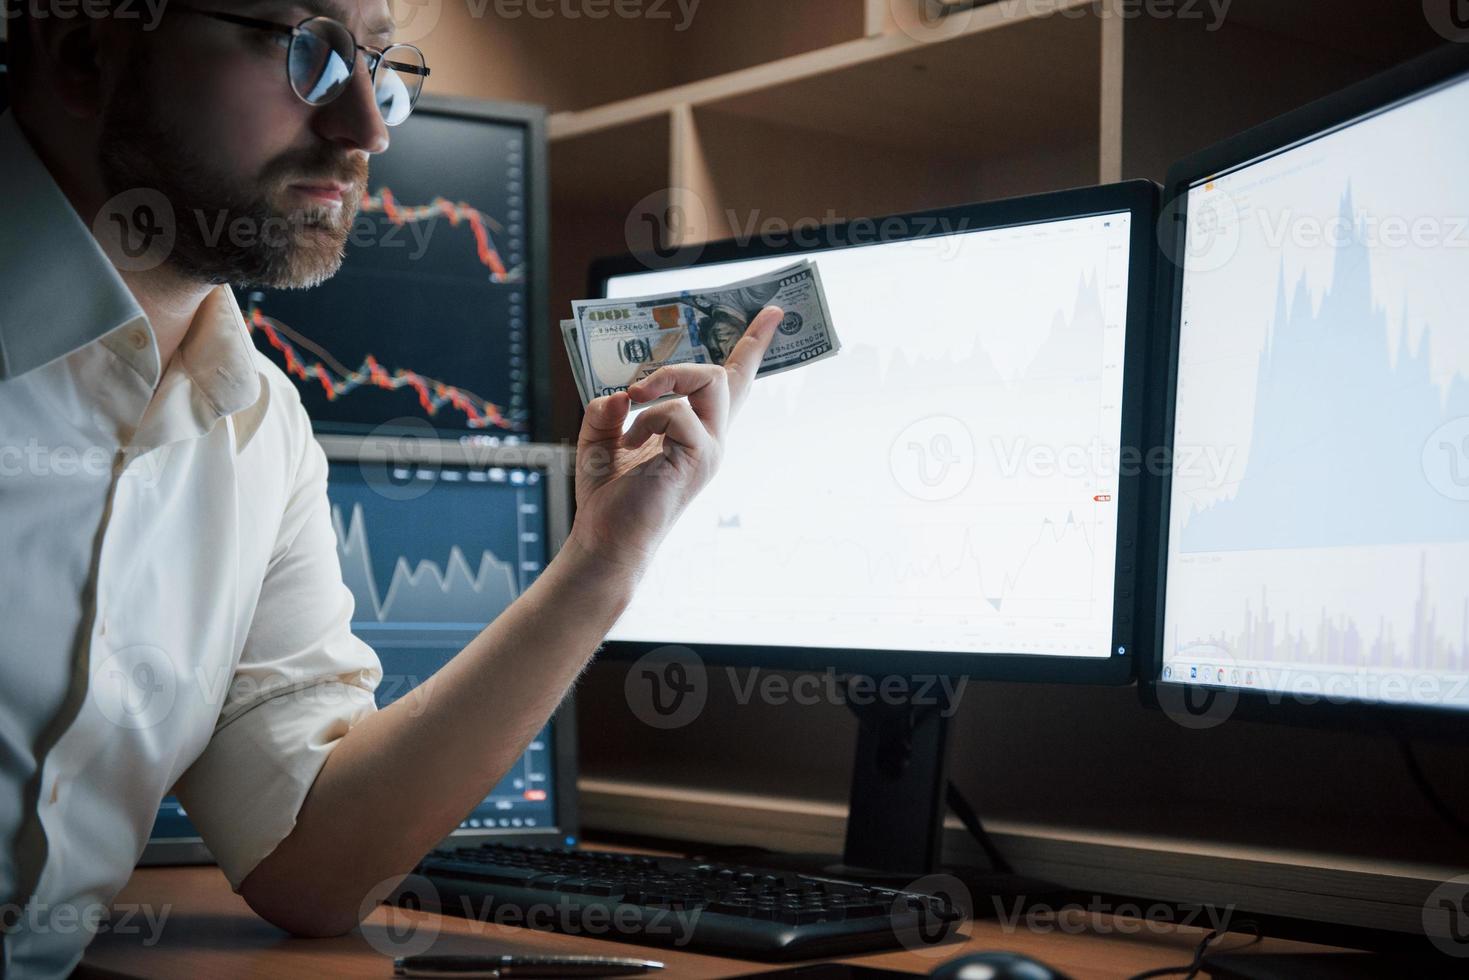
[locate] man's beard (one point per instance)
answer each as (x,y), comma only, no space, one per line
(227,229)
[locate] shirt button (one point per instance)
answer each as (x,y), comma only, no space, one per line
(138,339)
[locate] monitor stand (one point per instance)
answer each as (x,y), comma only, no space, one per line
(896,807)
(898,799)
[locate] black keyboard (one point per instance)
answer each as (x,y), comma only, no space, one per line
(700,906)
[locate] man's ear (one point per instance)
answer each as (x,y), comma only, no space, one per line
(67,58)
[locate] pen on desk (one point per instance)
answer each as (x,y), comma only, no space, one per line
(451,965)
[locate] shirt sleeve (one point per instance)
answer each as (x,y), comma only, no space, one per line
(302,681)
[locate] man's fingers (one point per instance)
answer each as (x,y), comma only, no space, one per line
(675,420)
(604,419)
(703,384)
(744,361)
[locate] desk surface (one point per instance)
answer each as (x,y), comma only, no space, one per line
(209,932)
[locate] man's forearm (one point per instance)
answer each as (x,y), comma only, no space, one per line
(399,781)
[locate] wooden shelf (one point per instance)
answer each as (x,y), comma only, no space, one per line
(569,63)
(837,60)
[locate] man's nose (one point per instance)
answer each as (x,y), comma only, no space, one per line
(352,119)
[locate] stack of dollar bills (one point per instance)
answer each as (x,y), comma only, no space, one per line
(614,343)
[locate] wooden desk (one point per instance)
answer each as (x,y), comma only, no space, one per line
(209,932)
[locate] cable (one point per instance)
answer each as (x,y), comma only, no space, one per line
(971,823)
(1200,951)
(1425,787)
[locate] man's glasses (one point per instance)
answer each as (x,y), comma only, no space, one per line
(321,55)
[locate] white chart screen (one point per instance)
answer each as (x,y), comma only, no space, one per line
(1319,521)
(947,483)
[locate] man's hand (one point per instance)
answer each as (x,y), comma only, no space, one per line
(631,487)
(403,777)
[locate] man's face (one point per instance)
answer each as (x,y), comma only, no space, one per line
(264,187)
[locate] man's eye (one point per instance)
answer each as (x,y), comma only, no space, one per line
(273,40)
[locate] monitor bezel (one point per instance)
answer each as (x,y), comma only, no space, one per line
(1137,197)
(558,464)
(1352,104)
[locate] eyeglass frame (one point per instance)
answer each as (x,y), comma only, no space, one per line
(374,57)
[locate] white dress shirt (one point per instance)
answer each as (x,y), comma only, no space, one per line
(172,613)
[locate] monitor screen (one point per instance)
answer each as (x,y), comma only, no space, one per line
(432,552)
(429,318)
(947,484)
(1318,528)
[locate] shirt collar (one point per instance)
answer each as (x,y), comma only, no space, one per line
(60,292)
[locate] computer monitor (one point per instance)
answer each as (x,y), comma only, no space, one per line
(433,317)
(435,539)
(953,494)
(1314,529)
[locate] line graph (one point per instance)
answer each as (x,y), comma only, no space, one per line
(454,592)
(454,212)
(336,380)
(436,548)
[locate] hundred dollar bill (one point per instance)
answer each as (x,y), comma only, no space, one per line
(622,341)
(573,353)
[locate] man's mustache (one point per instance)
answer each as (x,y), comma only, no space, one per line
(351,172)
